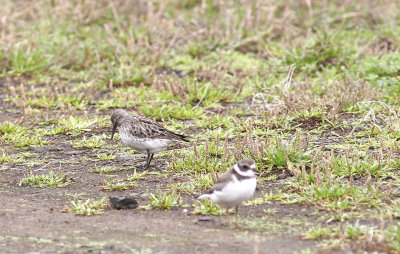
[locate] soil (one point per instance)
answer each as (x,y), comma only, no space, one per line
(37,219)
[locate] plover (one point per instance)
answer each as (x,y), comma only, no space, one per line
(142,134)
(235,186)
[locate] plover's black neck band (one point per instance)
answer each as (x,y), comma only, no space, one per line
(241,177)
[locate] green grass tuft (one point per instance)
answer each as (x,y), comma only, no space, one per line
(46,180)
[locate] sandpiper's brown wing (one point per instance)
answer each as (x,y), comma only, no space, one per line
(143,127)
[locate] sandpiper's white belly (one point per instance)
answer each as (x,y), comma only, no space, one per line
(144,145)
(235,192)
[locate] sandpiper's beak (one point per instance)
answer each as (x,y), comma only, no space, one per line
(113,130)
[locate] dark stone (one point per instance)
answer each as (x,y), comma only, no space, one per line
(65,146)
(175,208)
(123,203)
(388,178)
(207,218)
(38,149)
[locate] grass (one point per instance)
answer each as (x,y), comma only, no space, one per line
(107,169)
(198,182)
(113,186)
(208,207)
(19,136)
(76,125)
(92,142)
(104,156)
(163,201)
(314,102)
(88,207)
(129,182)
(170,111)
(13,159)
(8,127)
(51,179)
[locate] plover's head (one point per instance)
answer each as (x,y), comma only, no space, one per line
(246,167)
(116,119)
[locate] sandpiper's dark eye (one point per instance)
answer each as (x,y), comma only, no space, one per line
(245,166)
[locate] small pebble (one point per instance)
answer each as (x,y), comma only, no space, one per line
(175,208)
(144,195)
(127,157)
(207,218)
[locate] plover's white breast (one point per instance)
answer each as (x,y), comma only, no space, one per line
(234,192)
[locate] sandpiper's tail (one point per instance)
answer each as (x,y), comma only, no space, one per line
(180,137)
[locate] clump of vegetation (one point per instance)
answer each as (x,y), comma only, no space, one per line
(106,169)
(206,158)
(13,159)
(163,201)
(8,127)
(383,71)
(88,207)
(77,125)
(129,182)
(93,142)
(171,111)
(19,136)
(198,182)
(52,179)
(208,207)
(104,156)
(113,186)
(392,236)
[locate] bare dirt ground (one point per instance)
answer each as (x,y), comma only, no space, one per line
(35,219)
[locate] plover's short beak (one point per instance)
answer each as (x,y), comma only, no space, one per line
(113,131)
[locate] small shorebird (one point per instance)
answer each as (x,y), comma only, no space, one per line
(142,134)
(235,186)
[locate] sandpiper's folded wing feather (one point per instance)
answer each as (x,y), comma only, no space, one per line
(221,182)
(146,128)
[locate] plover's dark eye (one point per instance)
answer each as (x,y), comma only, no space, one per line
(245,166)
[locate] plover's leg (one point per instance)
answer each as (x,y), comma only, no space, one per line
(237,214)
(227,214)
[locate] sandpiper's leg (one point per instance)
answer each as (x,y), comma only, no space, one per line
(148,160)
(151,157)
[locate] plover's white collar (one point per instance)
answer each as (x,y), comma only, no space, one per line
(245,173)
